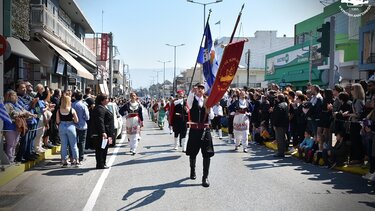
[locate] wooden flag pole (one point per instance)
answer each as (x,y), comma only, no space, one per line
(235,27)
(196,62)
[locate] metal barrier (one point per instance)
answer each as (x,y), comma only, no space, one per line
(3,157)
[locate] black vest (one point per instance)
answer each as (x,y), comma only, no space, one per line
(180,109)
(197,114)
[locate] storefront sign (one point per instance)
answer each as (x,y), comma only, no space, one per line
(293,57)
(104,47)
(72,81)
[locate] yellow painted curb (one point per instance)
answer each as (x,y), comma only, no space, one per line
(15,170)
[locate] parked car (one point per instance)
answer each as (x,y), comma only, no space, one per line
(117,121)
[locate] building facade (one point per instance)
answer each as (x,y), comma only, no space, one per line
(301,63)
(54,31)
(263,43)
(367,43)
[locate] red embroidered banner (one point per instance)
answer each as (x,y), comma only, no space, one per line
(104,47)
(227,70)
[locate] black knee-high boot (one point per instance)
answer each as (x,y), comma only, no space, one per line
(206,168)
(192,168)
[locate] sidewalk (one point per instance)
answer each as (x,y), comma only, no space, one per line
(9,172)
(347,168)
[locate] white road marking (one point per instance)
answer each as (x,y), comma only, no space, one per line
(95,193)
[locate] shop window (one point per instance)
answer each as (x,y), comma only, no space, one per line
(369,48)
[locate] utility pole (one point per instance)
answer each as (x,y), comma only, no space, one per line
(110,64)
(3,157)
(332,35)
(310,57)
(248,68)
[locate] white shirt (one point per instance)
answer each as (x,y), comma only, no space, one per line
(200,100)
(218,110)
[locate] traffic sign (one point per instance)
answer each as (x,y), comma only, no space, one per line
(3,45)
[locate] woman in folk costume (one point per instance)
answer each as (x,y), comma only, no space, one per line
(161,114)
(168,107)
(134,121)
(241,122)
(155,109)
(178,117)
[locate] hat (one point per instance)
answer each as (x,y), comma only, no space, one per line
(180,91)
(371,79)
(200,85)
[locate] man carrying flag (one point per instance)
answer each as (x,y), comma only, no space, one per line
(208,59)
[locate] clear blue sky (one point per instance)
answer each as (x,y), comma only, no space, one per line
(141,28)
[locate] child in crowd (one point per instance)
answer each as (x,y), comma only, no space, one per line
(338,154)
(261,134)
(368,137)
(306,145)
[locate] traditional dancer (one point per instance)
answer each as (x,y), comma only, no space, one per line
(134,121)
(216,122)
(241,122)
(178,118)
(161,115)
(199,139)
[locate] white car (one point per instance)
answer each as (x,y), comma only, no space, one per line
(117,120)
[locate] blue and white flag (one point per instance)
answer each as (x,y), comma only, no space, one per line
(4,114)
(207,57)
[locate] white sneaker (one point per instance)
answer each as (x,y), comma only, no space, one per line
(372,177)
(367,176)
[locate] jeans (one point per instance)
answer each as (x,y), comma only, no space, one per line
(12,138)
(26,143)
(67,133)
(81,140)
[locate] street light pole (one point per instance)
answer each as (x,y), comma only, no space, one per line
(204,8)
(174,69)
(124,78)
(164,76)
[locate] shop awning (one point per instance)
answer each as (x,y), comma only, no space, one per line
(20,49)
(84,59)
(81,71)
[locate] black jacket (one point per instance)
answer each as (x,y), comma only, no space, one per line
(101,121)
(280,115)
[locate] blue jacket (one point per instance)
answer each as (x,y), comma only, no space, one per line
(307,143)
(82,114)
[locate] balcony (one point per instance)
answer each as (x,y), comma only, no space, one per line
(43,20)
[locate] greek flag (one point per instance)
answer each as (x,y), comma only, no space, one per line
(207,57)
(4,114)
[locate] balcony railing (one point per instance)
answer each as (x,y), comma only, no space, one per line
(43,19)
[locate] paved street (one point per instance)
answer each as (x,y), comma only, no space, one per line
(157,178)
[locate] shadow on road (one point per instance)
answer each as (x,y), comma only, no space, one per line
(350,183)
(158,192)
(69,171)
(140,161)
